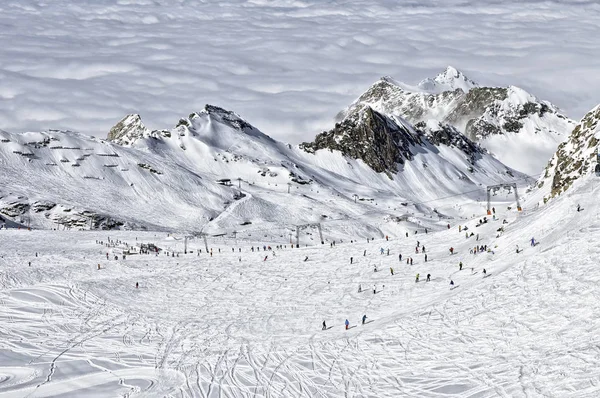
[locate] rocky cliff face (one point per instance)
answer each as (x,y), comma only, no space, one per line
(445,134)
(383,142)
(130,129)
(368,135)
(575,157)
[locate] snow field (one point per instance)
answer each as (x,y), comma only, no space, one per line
(214,326)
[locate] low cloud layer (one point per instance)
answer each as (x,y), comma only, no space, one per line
(287,66)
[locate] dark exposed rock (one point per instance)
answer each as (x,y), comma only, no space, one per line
(575,157)
(370,136)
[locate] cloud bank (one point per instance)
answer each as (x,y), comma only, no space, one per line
(287,66)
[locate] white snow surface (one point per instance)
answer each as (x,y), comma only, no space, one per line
(287,65)
(231,324)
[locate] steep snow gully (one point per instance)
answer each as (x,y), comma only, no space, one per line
(247,323)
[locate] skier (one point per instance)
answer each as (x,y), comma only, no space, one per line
(494,210)
(364,318)
(532,242)
(388,252)
(375,269)
(517,249)
(392,271)
(411,261)
(428,278)
(386,238)
(451,282)
(417,278)
(417,249)
(460,266)
(324,326)
(426,258)
(137,285)
(407,234)
(484,272)
(374,289)
(365,253)
(266,258)
(359,288)
(306,258)
(351,259)
(399,257)
(381,250)
(578,207)
(347,323)
(98,266)
(451,250)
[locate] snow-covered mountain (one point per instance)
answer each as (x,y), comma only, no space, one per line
(215,172)
(574,158)
(386,143)
(449,80)
(517,127)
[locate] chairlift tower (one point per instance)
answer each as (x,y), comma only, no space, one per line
(494,188)
(298,227)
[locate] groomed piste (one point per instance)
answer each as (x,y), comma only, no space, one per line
(243,323)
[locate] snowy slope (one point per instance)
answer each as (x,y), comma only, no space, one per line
(232,324)
(177,179)
(519,129)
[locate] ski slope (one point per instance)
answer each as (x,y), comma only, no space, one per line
(235,325)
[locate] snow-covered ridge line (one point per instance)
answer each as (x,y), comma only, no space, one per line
(192,175)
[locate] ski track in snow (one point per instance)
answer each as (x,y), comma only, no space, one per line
(202,326)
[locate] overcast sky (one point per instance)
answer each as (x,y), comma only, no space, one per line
(287,66)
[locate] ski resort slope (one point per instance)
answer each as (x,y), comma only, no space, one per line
(236,325)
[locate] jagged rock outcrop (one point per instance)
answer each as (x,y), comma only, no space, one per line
(127,130)
(383,142)
(130,129)
(575,157)
(368,135)
(444,134)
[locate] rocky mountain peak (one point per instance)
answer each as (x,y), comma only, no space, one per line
(229,118)
(449,80)
(128,130)
(378,140)
(576,157)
